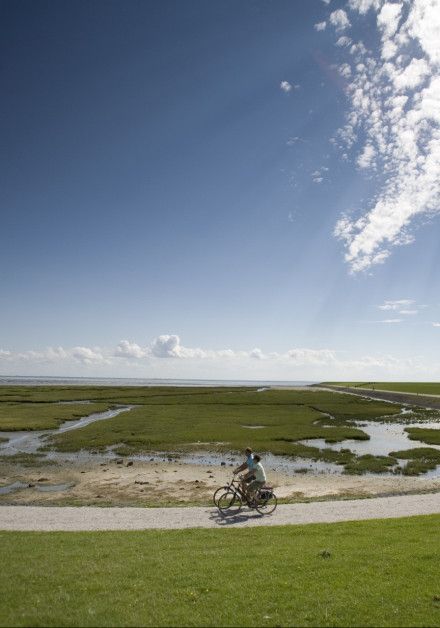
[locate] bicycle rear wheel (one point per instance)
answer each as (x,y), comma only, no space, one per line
(229,503)
(267,506)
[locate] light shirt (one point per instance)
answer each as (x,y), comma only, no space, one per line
(259,473)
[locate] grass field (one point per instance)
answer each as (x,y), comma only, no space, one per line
(43,416)
(421,388)
(375,573)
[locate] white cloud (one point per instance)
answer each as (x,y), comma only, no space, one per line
(390,320)
(393,125)
(320,26)
(257,354)
(436,324)
(294,140)
(126,349)
(396,305)
(85,354)
(312,356)
(167,357)
(411,76)
(388,18)
(366,158)
(344,41)
(408,312)
(326,1)
(166,346)
(363,6)
(339,20)
(286,87)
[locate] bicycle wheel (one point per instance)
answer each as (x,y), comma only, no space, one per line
(267,506)
(229,503)
(219,492)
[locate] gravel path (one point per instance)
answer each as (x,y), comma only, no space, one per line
(410,399)
(92,518)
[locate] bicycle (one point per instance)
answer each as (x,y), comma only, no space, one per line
(231,500)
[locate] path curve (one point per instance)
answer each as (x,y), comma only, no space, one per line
(431,402)
(28,518)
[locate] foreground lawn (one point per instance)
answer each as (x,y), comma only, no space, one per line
(376,573)
(422,388)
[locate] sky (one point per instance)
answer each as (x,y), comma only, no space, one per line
(220,190)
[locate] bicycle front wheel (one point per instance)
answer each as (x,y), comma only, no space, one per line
(267,506)
(229,503)
(219,492)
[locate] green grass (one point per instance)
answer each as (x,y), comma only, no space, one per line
(426,435)
(43,416)
(189,419)
(421,459)
(421,388)
(181,422)
(376,573)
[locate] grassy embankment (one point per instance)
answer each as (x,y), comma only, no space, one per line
(421,388)
(374,573)
(176,419)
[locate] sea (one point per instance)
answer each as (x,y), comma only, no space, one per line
(12,380)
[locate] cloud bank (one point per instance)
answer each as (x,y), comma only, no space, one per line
(166,356)
(393,124)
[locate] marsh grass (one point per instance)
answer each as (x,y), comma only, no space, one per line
(373,573)
(421,459)
(426,435)
(173,421)
(16,416)
(193,419)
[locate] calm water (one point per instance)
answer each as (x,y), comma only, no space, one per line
(6,380)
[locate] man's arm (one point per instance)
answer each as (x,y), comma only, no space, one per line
(242,467)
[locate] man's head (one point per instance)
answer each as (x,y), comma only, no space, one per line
(257,458)
(248,451)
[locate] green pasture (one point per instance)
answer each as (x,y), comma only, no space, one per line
(373,573)
(43,416)
(421,388)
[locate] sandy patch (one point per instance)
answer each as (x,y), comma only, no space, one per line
(159,483)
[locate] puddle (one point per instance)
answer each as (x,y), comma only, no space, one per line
(384,438)
(11,488)
(54,488)
(279,464)
(42,488)
(253,427)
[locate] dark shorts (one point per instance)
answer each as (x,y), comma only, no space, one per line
(255,485)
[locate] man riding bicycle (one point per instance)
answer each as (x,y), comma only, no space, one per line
(259,477)
(249,465)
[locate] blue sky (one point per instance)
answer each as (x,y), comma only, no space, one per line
(220,189)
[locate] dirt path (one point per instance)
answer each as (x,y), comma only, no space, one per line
(41,518)
(410,399)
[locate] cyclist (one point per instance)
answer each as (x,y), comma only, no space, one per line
(259,477)
(249,465)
